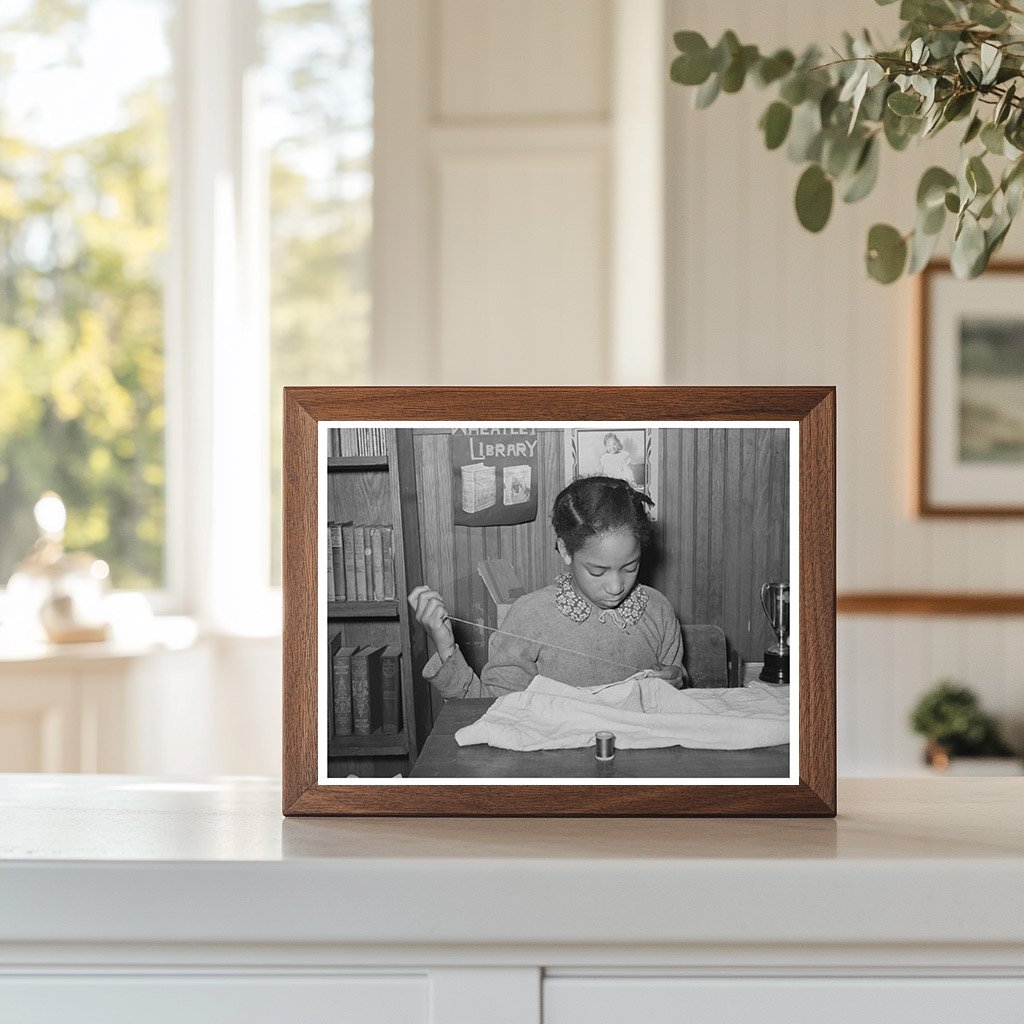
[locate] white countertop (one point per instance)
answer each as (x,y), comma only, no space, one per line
(125,859)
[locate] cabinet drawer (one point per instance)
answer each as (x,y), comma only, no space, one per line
(223,999)
(661,1000)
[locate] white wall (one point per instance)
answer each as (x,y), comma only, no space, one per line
(753,298)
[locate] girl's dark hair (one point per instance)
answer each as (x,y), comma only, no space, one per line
(597,504)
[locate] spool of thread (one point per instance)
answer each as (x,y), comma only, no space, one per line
(605,746)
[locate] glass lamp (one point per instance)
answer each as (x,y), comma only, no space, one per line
(55,595)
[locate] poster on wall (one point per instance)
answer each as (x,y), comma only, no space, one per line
(629,454)
(494,475)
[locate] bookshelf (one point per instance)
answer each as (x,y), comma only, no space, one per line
(379,490)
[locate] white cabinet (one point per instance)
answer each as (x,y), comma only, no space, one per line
(127,898)
(205,999)
(823,1000)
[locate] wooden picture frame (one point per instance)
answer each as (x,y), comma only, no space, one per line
(970,414)
(713,419)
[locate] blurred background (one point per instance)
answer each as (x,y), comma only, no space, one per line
(202,201)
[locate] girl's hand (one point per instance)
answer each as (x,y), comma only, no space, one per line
(429,610)
(674,674)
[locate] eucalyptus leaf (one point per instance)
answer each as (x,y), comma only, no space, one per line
(993,138)
(725,50)
(968,247)
(903,103)
(771,69)
(978,176)
(958,105)
(873,106)
(933,122)
(735,74)
(900,130)
(932,221)
(707,93)
(840,152)
(1013,191)
(794,88)
(991,60)
(814,194)
(973,129)
(805,133)
(922,248)
(693,65)
(987,15)
(1004,106)
(865,174)
(1013,187)
(995,233)
(886,253)
(931,190)
(828,104)
(952,202)
(775,124)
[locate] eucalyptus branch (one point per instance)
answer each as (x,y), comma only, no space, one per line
(833,117)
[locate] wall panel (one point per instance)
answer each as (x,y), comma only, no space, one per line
(520,262)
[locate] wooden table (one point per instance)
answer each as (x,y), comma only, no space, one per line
(443,758)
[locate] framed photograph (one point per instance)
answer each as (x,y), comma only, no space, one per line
(483,616)
(970,450)
(630,455)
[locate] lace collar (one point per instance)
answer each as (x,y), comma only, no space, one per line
(577,608)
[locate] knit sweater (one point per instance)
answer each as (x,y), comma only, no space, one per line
(560,635)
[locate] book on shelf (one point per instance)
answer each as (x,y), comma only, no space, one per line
(349,546)
(368,557)
(330,569)
(338,559)
(388,557)
(359,554)
(391,689)
(332,648)
(367,696)
(377,562)
(341,686)
(360,562)
(358,441)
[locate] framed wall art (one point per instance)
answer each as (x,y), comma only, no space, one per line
(970,444)
(628,454)
(483,615)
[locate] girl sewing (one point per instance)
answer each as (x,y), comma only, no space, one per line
(594,625)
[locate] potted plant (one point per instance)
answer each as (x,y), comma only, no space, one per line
(956,61)
(950,717)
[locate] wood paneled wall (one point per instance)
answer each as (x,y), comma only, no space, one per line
(723,530)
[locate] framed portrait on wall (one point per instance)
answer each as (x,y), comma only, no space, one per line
(595,659)
(970,423)
(629,454)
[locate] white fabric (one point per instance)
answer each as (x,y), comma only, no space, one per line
(642,712)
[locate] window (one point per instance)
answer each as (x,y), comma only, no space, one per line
(317,121)
(185,222)
(83,237)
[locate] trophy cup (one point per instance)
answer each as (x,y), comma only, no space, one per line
(775,602)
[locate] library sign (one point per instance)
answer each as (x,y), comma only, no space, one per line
(494,475)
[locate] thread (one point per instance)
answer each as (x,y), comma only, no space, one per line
(542,643)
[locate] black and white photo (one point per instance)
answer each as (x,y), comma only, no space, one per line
(499,601)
